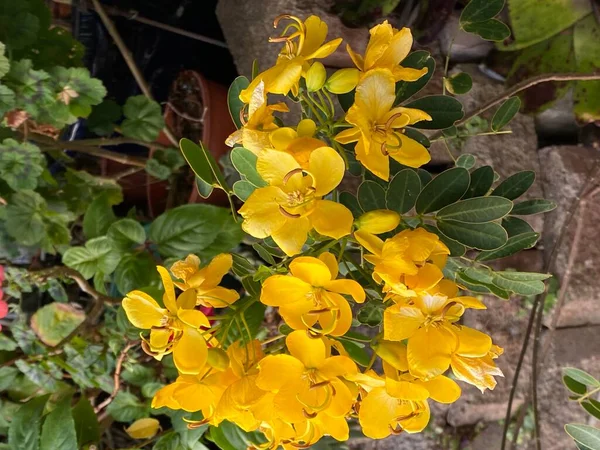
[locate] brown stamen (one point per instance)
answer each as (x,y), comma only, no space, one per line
(291,173)
(288,214)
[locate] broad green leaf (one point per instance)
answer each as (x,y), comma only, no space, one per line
(204,230)
(403,191)
(188,437)
(356,351)
(515,226)
(195,158)
(138,375)
(371,196)
(263,253)
(98,255)
(424,176)
(476,210)
(584,435)
(515,185)
(39,376)
(242,189)
(98,217)
(21,164)
(7,99)
(459,84)
(351,202)
(8,375)
(233,99)
(456,249)
(126,232)
(52,323)
(416,136)
(592,407)
(346,100)
(164,162)
(482,236)
(203,188)
(446,188)
(24,431)
(482,179)
(520,283)
(228,436)
(480,11)
(574,386)
(25,217)
(103,118)
(490,30)
(586,94)
(86,422)
(19,25)
(581,376)
(53,47)
(77,89)
(416,60)
(58,431)
(34,91)
(505,113)
(143,119)
(371,314)
(513,245)
(126,407)
(7,344)
(244,162)
(135,270)
(4,63)
(481,285)
(465,160)
(444,111)
(534,206)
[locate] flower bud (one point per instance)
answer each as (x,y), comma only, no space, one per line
(217,358)
(143,428)
(342,81)
(393,353)
(315,77)
(378,221)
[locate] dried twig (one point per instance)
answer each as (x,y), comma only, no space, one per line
(116,377)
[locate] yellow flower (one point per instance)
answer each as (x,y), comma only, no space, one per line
(205,281)
(292,204)
(308,382)
(299,143)
(175,328)
(311,295)
(305,43)
(378,128)
(254,135)
(478,371)
(386,49)
(378,221)
(428,322)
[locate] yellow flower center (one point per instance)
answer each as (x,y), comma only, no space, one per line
(298,202)
(387,134)
(298,30)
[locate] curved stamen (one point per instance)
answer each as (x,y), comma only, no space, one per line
(447,308)
(288,214)
(407,416)
(309,415)
(396,430)
(291,173)
(243,115)
(389,122)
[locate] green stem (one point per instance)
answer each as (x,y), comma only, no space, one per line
(316,115)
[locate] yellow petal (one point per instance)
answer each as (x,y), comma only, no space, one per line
(343,315)
(279,290)
(431,304)
(348,287)
(470,302)
(348,135)
(428,276)
(282,137)
(218,297)
(441,389)
(142,310)
(377,411)
(291,237)
(187,299)
(143,428)
(164,397)
(217,268)
(315,77)
(476,371)
(193,318)
(342,81)
(311,270)
(302,147)
(393,353)
(296,314)
(310,351)
(331,219)
(261,212)
(169,296)
(411,154)
(401,322)
(369,241)
(284,76)
(326,49)
(277,370)
(186,268)
(472,343)
(408,74)
(381,35)
(316,32)
(375,161)
(336,427)
(190,352)
(378,221)
(446,288)
(331,262)
(327,168)
(356,58)
(375,94)
(398,48)
(404,390)
(274,165)
(419,414)
(159,339)
(429,351)
(414,115)
(338,366)
(306,127)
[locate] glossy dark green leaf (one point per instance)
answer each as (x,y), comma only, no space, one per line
(443,109)
(228,436)
(126,407)
(482,236)
(403,191)
(371,196)
(424,176)
(456,249)
(351,202)
(592,407)
(465,160)
(195,158)
(346,100)
(417,136)
(416,60)
(490,30)
(135,270)
(534,206)
(505,113)
(515,226)
(244,162)
(515,185)
(482,179)
(126,232)
(480,11)
(476,210)
(86,422)
(459,84)
(24,431)
(356,351)
(98,216)
(103,118)
(446,188)
(58,431)
(204,189)
(143,119)
(574,386)
(242,189)
(513,245)
(233,99)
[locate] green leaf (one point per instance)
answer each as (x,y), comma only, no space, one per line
(52,323)
(53,47)
(534,206)
(584,435)
(465,160)
(459,84)
(480,11)
(98,255)
(135,270)
(346,100)
(513,245)
(446,188)
(356,351)
(480,281)
(476,210)
(351,202)
(581,376)
(195,158)
(78,89)
(126,407)
(263,253)
(515,226)
(456,249)
(143,119)
(574,386)
(24,431)
(233,99)
(228,436)
(4,63)
(416,60)
(8,375)
(241,266)
(417,136)
(25,217)
(505,113)
(126,232)
(21,164)
(371,314)
(204,189)
(244,162)
(592,407)
(138,375)
(103,118)
(515,185)
(444,111)
(204,230)
(587,56)
(482,236)
(86,422)
(482,179)
(490,30)
(371,196)
(58,431)
(424,176)
(242,189)
(403,191)
(18,25)
(7,99)
(7,344)
(98,217)
(521,283)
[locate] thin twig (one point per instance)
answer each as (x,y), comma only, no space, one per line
(116,377)
(100,142)
(525,84)
(186,116)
